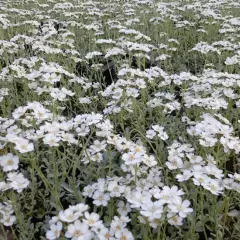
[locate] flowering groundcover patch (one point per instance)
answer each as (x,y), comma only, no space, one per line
(120,120)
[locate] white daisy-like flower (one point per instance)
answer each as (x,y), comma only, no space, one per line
(79,231)
(55,231)
(9,162)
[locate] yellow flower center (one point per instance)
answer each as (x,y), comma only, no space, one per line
(91,221)
(70,217)
(118,228)
(10,162)
(56,233)
(131,157)
(78,233)
(107,236)
(24,147)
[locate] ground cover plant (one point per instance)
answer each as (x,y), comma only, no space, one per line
(120,119)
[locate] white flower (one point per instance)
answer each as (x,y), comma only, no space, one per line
(210,159)
(160,130)
(23,145)
(194,159)
(92,54)
(18,112)
(79,231)
(69,215)
(174,162)
(17,181)
(57,94)
(136,198)
(174,219)
(140,83)
(115,189)
(228,183)
(8,220)
(9,162)
(51,139)
(106,234)
(79,208)
(123,209)
(234,213)
(150,134)
(180,207)
(167,195)
(54,220)
(237,177)
(114,51)
(97,146)
(186,174)
(137,148)
(124,234)
(67,92)
(211,169)
(85,100)
(200,178)
(83,130)
(149,160)
(132,158)
(92,219)
(100,198)
(214,186)
(152,210)
(51,77)
(55,231)
(232,60)
(69,137)
(4,186)
(117,226)
(88,191)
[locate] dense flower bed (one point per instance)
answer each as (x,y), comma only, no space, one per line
(120,120)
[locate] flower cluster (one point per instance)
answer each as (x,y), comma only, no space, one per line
(123,116)
(15,180)
(212,131)
(77,223)
(203,171)
(149,196)
(157,130)
(6,214)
